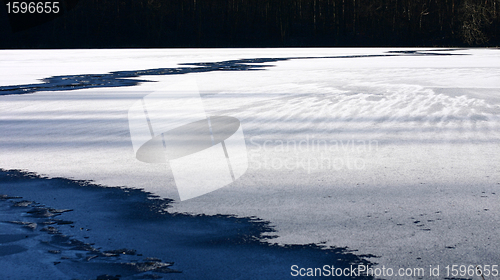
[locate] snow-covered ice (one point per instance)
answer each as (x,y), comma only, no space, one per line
(389,153)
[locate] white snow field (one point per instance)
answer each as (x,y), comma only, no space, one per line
(395,156)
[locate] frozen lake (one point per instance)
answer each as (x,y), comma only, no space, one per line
(390,152)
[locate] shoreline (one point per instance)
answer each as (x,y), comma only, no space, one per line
(88,230)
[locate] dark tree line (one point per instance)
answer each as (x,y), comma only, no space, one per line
(264,23)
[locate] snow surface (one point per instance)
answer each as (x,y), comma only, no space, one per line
(413,140)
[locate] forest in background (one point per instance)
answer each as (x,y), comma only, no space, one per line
(262,23)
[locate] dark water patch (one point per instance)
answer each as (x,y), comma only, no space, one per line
(123,78)
(202,246)
(4,197)
(74,257)
(445,50)
(427,52)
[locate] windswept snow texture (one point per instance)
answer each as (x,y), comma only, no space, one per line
(391,152)
(96,231)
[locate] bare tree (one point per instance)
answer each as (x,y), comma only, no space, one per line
(475,17)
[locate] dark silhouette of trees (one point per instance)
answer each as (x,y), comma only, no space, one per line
(266,23)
